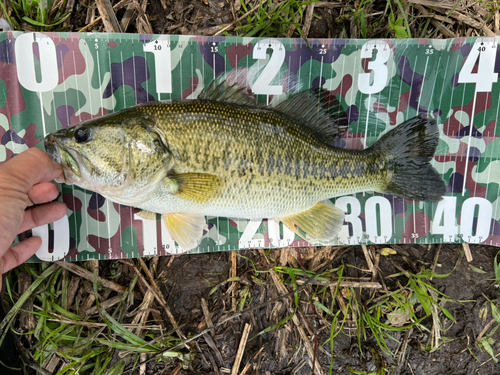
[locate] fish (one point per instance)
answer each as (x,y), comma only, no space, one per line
(225,154)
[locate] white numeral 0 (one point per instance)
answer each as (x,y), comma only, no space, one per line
(25,61)
(483,219)
(61,240)
(262,84)
(379,71)
(384,218)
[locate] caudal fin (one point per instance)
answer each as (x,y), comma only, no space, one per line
(408,150)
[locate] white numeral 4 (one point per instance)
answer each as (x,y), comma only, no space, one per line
(486,51)
(444,221)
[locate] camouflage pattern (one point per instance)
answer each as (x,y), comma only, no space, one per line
(52,80)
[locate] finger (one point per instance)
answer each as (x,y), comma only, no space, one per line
(20,253)
(29,168)
(43,192)
(44,214)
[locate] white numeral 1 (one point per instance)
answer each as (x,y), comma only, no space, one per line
(446,214)
(262,84)
(486,50)
(379,71)
(163,64)
(148,235)
(25,61)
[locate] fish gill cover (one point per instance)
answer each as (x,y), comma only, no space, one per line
(49,81)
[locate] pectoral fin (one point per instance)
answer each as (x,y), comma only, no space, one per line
(197,187)
(321,222)
(186,229)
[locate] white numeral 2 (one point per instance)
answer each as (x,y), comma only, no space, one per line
(262,84)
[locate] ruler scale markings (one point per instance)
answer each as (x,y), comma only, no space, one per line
(411,91)
(418,112)
(403,234)
(491,158)
(68,122)
(107,201)
(451,101)
(85,203)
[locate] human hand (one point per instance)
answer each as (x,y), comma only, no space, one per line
(24,181)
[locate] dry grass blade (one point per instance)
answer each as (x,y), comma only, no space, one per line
(76,269)
(241,349)
(108,16)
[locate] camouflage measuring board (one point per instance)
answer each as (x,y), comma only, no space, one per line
(53,80)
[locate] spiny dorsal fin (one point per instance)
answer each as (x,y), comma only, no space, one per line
(321,222)
(223,92)
(317,110)
(197,187)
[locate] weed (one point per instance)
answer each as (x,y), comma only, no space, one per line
(42,15)
(272,20)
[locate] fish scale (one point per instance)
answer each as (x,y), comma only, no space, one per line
(226,155)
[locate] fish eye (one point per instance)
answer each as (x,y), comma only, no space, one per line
(82,134)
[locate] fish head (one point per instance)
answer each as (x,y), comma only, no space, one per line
(122,158)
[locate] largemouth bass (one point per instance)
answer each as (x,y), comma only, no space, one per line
(226,155)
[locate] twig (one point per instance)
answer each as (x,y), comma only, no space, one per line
(90,276)
(308,19)
(241,348)
(436,259)
(225,320)
(345,284)
(438,25)
(157,294)
(95,22)
(467,20)
(245,369)
(484,330)
(433,3)
(368,258)
(108,15)
(238,20)
(467,252)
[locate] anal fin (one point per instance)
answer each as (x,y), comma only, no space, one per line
(185,228)
(321,222)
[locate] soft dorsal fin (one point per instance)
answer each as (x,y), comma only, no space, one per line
(223,92)
(317,110)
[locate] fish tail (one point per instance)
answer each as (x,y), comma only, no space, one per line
(407,151)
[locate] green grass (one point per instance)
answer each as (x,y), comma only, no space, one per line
(87,345)
(41,15)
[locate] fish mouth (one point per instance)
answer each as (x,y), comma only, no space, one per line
(60,154)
